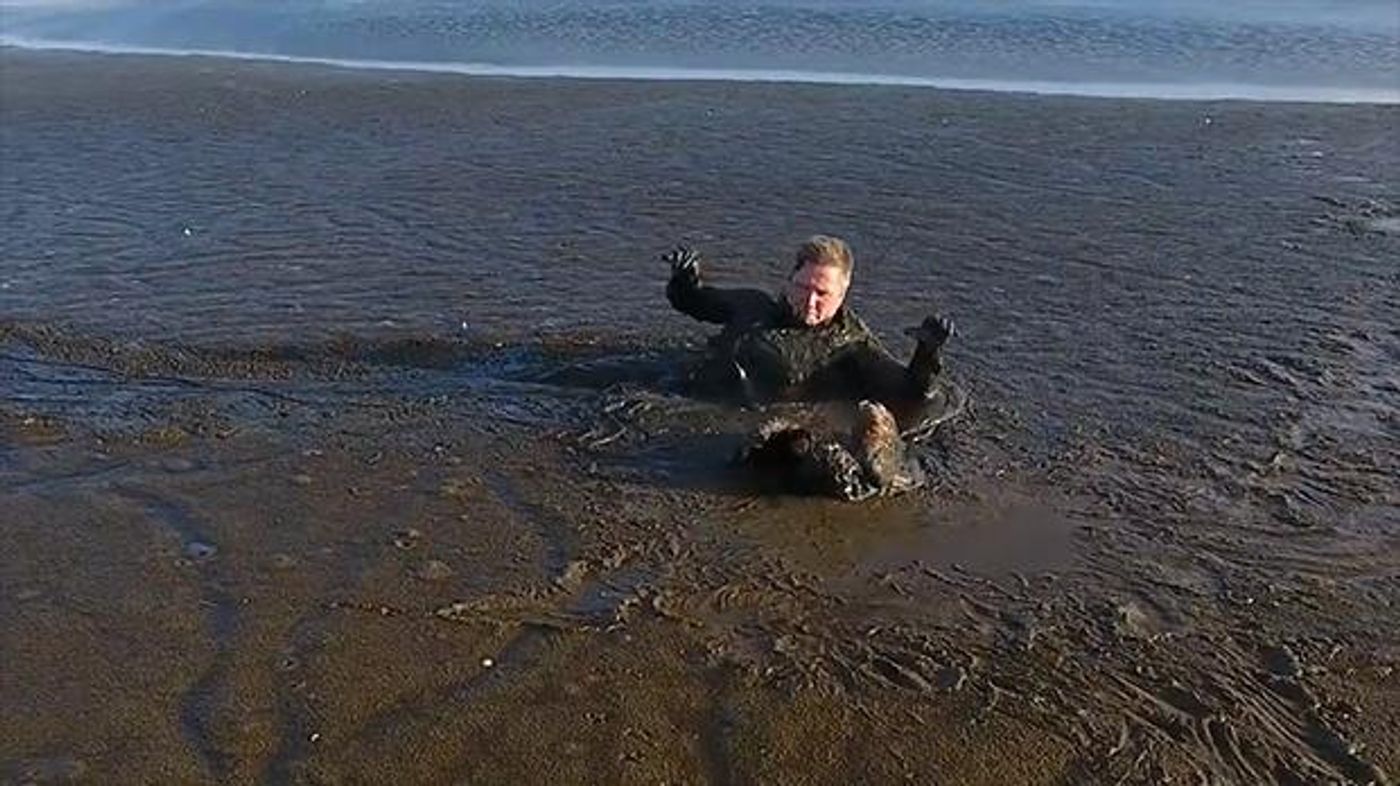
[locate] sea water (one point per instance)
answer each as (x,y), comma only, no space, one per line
(1334,50)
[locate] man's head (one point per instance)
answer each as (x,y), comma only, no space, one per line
(819,279)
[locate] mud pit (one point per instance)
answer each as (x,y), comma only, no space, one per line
(285,570)
(271,512)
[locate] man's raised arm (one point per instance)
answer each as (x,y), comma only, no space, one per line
(885,379)
(707,304)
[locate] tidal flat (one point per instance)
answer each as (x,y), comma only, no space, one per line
(340,440)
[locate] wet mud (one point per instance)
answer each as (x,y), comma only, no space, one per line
(397,588)
(1159,543)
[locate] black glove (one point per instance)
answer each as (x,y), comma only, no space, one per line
(684,262)
(933,332)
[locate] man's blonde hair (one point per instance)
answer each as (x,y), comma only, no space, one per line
(825,250)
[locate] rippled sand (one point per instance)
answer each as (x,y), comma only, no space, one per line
(270,512)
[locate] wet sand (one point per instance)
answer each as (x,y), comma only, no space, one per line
(250,531)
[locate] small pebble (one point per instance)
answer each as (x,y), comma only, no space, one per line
(197,550)
(573,574)
(453,489)
(434,570)
(487,663)
(301,480)
(1130,622)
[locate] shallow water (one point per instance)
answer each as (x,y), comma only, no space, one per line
(381,468)
(230,204)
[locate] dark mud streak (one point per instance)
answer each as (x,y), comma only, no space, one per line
(294,716)
(585,609)
(1339,753)
(514,658)
(110,376)
(51,483)
(122,387)
(105,473)
(558,536)
(199,701)
(716,732)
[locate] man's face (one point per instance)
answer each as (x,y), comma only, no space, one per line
(816,292)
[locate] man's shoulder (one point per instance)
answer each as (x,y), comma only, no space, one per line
(754,306)
(849,323)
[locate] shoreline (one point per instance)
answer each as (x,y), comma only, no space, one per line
(1136,91)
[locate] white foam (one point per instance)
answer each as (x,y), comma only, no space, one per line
(1205,91)
(1390,225)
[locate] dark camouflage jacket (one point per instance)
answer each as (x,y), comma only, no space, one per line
(764,353)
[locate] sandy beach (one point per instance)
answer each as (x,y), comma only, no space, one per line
(340,442)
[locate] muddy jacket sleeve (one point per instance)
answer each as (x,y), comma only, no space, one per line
(879,376)
(711,304)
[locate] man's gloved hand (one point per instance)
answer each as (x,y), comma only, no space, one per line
(684,262)
(933,332)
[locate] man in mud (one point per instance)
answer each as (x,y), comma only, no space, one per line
(807,344)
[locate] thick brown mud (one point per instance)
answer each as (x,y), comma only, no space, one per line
(1160,544)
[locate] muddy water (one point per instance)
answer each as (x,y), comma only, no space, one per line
(272,513)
